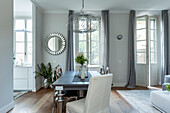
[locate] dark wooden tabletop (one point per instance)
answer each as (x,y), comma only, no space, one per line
(66,80)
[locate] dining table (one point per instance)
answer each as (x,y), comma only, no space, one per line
(70,80)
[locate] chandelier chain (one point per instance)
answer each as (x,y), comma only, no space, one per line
(82,6)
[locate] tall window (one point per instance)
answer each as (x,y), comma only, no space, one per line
(88,43)
(23,42)
(146,41)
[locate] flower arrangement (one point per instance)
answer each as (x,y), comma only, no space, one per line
(81,58)
(168,87)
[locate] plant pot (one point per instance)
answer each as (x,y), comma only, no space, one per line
(46,83)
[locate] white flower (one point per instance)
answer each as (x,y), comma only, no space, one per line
(80,54)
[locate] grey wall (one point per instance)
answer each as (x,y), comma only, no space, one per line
(6,55)
(54,22)
(119,48)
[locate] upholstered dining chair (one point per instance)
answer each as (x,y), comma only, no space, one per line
(98,97)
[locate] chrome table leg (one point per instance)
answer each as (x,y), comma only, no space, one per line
(60,102)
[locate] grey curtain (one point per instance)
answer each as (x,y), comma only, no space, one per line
(164,45)
(70,48)
(105,38)
(132,51)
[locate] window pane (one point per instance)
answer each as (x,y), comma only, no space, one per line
(20,24)
(20,36)
(29,37)
(153,23)
(141,46)
(20,48)
(153,46)
(141,22)
(153,35)
(141,57)
(82,46)
(153,57)
(19,59)
(82,36)
(29,59)
(95,53)
(29,47)
(141,34)
(95,36)
(29,25)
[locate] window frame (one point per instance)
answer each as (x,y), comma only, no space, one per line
(88,46)
(25,62)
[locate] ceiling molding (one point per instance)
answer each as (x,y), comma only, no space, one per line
(36,4)
(66,11)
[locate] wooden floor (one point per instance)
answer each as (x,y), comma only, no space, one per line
(42,102)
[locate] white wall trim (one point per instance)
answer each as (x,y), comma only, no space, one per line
(7,107)
(36,4)
(119,84)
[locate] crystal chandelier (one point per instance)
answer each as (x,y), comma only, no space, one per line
(84,22)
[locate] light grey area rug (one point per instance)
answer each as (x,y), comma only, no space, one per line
(17,94)
(139,99)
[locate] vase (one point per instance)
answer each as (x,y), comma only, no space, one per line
(80,70)
(45,83)
(83,73)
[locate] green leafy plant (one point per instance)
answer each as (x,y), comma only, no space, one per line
(45,71)
(168,87)
(81,58)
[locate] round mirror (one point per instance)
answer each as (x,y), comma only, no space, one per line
(55,43)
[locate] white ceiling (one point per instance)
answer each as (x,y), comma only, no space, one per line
(104,4)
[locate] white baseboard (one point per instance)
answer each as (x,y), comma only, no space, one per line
(7,107)
(119,84)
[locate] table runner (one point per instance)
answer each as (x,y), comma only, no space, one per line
(78,79)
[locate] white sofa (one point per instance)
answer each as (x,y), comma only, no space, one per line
(161,100)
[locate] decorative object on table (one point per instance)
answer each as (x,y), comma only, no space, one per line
(168,87)
(102,70)
(107,71)
(81,60)
(59,70)
(86,21)
(55,43)
(46,72)
(78,79)
(119,37)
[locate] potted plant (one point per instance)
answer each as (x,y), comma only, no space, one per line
(81,60)
(168,87)
(46,72)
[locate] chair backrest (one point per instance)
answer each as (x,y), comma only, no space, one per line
(98,95)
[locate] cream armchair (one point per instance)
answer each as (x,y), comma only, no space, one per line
(98,97)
